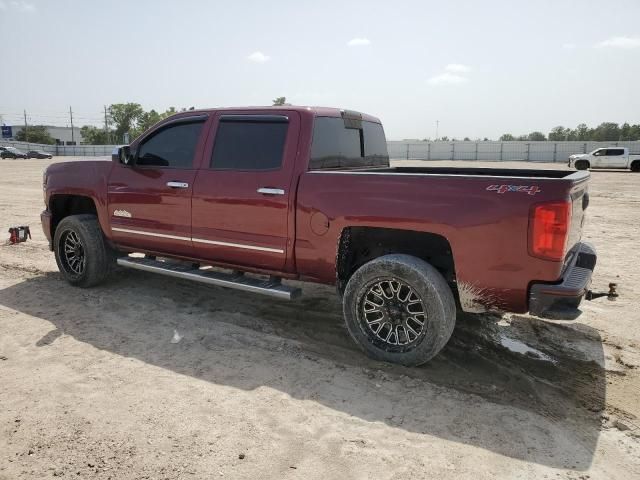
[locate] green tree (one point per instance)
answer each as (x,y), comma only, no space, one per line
(145,121)
(536,137)
(582,132)
(279,101)
(125,117)
(35,134)
(558,134)
(507,137)
(94,136)
(606,132)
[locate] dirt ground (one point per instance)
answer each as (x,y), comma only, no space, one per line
(91,385)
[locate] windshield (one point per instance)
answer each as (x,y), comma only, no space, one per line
(338,144)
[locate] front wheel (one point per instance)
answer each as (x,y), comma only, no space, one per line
(582,165)
(82,255)
(399,309)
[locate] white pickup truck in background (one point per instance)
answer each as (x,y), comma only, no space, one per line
(609,157)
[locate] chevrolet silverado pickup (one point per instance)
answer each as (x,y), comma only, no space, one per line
(245,198)
(610,157)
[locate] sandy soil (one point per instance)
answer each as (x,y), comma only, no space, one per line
(92,387)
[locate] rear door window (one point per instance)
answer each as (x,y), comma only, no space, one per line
(614,152)
(249,142)
(345,143)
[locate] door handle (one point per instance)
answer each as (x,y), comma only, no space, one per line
(177,185)
(271,191)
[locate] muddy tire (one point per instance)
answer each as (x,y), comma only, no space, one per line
(635,166)
(82,254)
(582,165)
(399,309)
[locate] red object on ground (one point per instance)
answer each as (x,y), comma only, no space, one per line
(19,234)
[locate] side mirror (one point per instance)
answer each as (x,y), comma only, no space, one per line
(122,155)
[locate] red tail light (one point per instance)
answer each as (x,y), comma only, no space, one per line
(549,229)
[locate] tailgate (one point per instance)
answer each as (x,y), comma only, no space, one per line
(580,201)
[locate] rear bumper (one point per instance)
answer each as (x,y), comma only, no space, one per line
(562,299)
(45,219)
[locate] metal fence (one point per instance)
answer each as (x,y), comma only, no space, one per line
(498,151)
(408,150)
(64,150)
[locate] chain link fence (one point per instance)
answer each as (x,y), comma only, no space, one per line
(63,150)
(498,151)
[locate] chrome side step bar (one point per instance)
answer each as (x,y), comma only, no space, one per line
(272,287)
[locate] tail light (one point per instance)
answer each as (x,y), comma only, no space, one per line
(549,230)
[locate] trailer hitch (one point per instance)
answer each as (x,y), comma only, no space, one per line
(612,294)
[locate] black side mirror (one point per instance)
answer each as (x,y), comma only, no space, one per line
(122,155)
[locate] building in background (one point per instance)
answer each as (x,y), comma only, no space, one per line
(62,135)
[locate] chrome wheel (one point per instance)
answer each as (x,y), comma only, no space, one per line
(392,314)
(73,254)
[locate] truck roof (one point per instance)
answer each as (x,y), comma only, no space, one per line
(304,110)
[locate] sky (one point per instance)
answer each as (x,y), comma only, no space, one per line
(475,68)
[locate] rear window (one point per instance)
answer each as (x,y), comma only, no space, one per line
(334,145)
(249,142)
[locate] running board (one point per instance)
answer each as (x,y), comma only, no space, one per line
(271,287)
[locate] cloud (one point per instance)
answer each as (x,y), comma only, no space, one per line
(258,57)
(448,79)
(457,68)
(21,6)
(620,42)
(569,46)
(358,42)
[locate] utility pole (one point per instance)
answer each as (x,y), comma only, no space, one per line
(26,133)
(437,125)
(71,115)
(106,125)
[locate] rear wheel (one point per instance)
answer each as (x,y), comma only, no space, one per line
(582,165)
(82,254)
(399,309)
(635,166)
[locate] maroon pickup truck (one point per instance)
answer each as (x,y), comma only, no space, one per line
(246,197)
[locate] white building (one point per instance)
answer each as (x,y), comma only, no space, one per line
(62,135)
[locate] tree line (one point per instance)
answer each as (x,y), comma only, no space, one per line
(125,118)
(605,132)
(130,118)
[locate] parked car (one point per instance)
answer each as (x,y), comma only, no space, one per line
(12,152)
(308,194)
(609,157)
(38,154)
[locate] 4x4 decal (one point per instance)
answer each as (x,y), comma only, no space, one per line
(530,189)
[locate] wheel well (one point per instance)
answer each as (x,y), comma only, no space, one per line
(358,245)
(62,206)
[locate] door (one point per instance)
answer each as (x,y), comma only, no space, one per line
(242,197)
(599,158)
(615,158)
(150,201)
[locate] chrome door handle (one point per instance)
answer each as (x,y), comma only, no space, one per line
(177,185)
(271,191)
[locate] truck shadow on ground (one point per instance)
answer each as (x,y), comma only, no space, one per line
(247,341)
